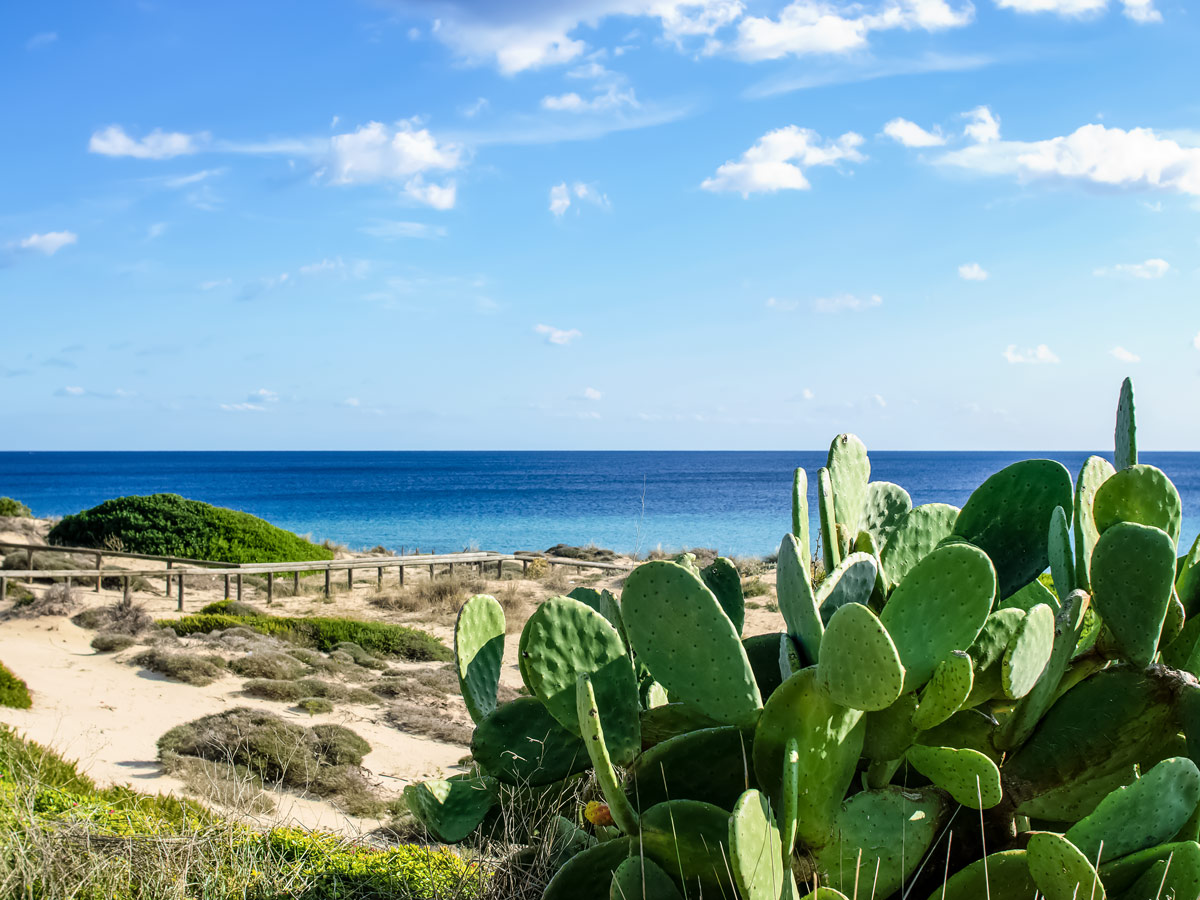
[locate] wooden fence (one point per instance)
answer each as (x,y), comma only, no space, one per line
(176,568)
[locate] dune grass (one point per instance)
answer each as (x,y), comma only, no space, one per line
(14,693)
(63,838)
(326,634)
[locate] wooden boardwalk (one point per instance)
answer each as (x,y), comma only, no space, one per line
(175,568)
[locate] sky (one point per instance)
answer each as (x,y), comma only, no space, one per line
(607,224)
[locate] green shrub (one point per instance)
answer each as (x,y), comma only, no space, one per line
(110,642)
(753,587)
(190,668)
(315,705)
(13,691)
(231,608)
(293,691)
(14,508)
(268,664)
(326,634)
(169,525)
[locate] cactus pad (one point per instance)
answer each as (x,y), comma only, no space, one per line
(722,578)
(1187,581)
(1060,871)
(829,739)
(637,878)
(690,841)
(1141,494)
(1133,574)
(880,838)
(1062,558)
(946,691)
(1174,876)
(521,743)
(592,727)
(588,872)
(797,602)
(755,851)
(1125,434)
(564,639)
(1004,875)
(800,521)
(1028,652)
(661,723)
(1008,517)
(885,507)
(966,775)
(915,537)
(1096,470)
(890,731)
(1142,815)
(940,606)
(831,553)
(679,631)
(859,665)
(851,582)
(453,808)
(763,652)
(988,650)
(708,765)
(849,472)
(478,651)
(604,603)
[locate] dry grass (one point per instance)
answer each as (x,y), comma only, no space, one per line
(109,642)
(268,664)
(190,668)
(293,691)
(440,596)
(221,784)
(419,718)
(56,600)
(122,617)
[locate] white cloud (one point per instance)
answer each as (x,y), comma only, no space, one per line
(782,305)
(817,27)
(879,401)
(1041,354)
(471,110)
(972,271)
(1137,159)
(216,283)
(394,230)
(807,394)
(156,230)
(778,159)
(325,265)
(910,134)
(558,335)
(243,407)
(376,152)
(74,390)
(1140,11)
(1124,355)
(560,196)
(592,394)
(158,144)
(1196,341)
(613,97)
(560,199)
(49,243)
(1151,268)
(179,181)
(983,126)
(263,395)
(40,40)
(840,302)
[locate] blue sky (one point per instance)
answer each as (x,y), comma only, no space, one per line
(606,224)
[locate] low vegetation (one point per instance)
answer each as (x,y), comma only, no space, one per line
(190,668)
(56,600)
(268,664)
(122,617)
(169,525)
(14,509)
(377,638)
(112,642)
(289,691)
(62,838)
(14,693)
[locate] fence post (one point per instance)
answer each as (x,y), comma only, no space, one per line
(168,589)
(29,565)
(239,586)
(296,583)
(227,587)
(327,582)
(381,576)
(3,586)
(270,587)
(99,566)
(349,579)
(179,605)
(400,572)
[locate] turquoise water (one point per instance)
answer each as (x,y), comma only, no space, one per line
(736,502)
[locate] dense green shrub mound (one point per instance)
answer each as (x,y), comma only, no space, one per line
(13,691)
(378,638)
(169,525)
(14,508)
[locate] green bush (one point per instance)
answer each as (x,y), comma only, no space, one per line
(291,691)
(190,668)
(13,691)
(379,638)
(14,508)
(111,642)
(315,705)
(268,664)
(169,525)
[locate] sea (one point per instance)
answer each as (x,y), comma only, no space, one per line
(738,503)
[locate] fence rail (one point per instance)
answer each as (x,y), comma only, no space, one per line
(177,568)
